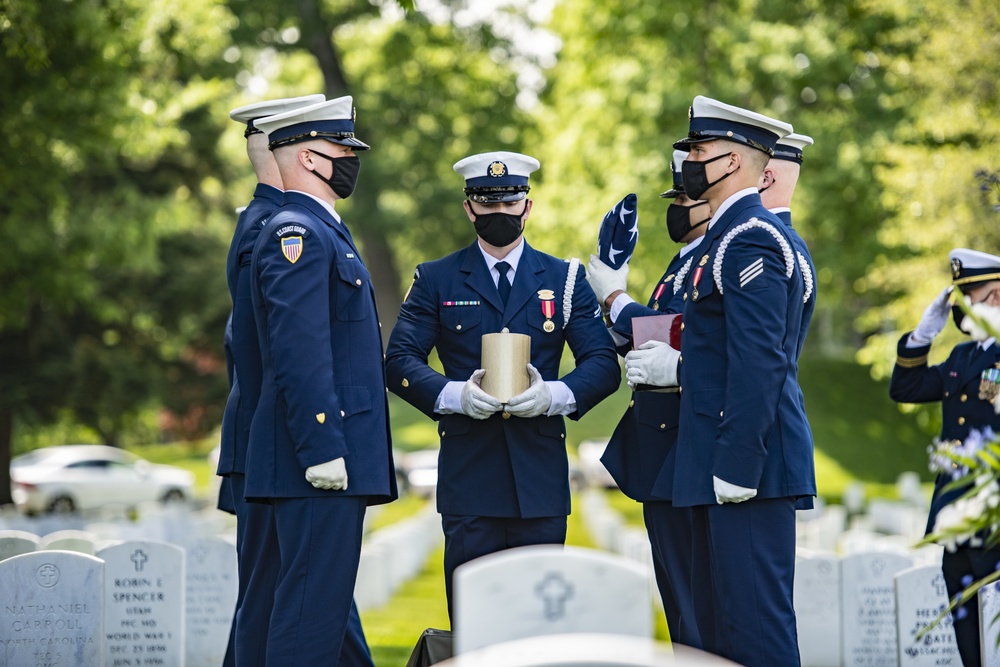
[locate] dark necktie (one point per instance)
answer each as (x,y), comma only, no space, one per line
(503,285)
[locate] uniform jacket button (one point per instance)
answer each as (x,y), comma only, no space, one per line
(631,403)
(458,327)
(682,326)
(343,414)
(663,426)
(963,398)
(506,415)
(358,281)
(961,420)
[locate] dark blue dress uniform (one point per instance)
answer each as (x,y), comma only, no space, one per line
(956,384)
(641,458)
(501,468)
(741,419)
(323,397)
(258,568)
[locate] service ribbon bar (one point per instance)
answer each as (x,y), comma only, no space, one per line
(460,303)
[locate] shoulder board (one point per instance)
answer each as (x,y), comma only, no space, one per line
(752,223)
(291,229)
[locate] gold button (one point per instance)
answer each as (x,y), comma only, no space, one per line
(685,297)
(379,325)
(963,398)
(680,389)
(682,326)
(947,394)
(405,383)
(358,281)
(343,414)
(631,403)
(442,433)
(961,420)
(680,358)
(720,412)
(562,435)
(663,426)
(506,415)
(458,327)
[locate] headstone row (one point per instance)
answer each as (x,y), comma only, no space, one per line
(134,603)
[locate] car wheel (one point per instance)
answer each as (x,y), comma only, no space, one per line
(174,496)
(62,505)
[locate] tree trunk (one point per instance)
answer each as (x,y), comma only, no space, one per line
(6,437)
(317,35)
(385,277)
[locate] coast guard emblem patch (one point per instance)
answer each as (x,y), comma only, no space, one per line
(291,248)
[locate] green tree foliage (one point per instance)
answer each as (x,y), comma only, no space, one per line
(934,183)
(112,193)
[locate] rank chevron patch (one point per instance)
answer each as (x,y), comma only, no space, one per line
(749,273)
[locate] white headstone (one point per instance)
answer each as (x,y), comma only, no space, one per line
(816,596)
(989,608)
(17,542)
(543,590)
(211,599)
(50,609)
(70,540)
(144,589)
(920,596)
(868,599)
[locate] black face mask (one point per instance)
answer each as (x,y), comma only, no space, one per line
(696,179)
(345,174)
(957,315)
(679,221)
(498,229)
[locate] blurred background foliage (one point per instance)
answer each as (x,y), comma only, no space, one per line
(122,172)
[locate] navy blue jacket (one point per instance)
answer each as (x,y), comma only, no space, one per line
(640,454)
(243,347)
(808,270)
(499,467)
(741,416)
(323,392)
(955,383)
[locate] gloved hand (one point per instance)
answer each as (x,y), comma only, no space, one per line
(533,401)
(604,280)
(476,403)
(730,493)
(655,363)
(330,475)
(934,318)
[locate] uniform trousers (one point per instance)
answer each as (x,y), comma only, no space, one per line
(962,567)
(670,532)
(743,569)
(258,570)
(314,620)
(469,537)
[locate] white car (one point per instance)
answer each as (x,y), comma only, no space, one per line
(69,478)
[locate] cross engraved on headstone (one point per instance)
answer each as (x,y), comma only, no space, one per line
(877,567)
(199,553)
(47,575)
(554,590)
(139,558)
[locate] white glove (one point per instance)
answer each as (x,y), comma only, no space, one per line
(655,363)
(730,493)
(533,401)
(934,318)
(476,403)
(330,475)
(604,280)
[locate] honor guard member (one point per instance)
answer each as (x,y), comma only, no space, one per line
(966,384)
(245,381)
(640,454)
(744,452)
(777,185)
(503,478)
(320,449)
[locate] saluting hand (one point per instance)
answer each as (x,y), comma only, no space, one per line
(934,318)
(331,475)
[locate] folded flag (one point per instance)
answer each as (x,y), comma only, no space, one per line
(619,232)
